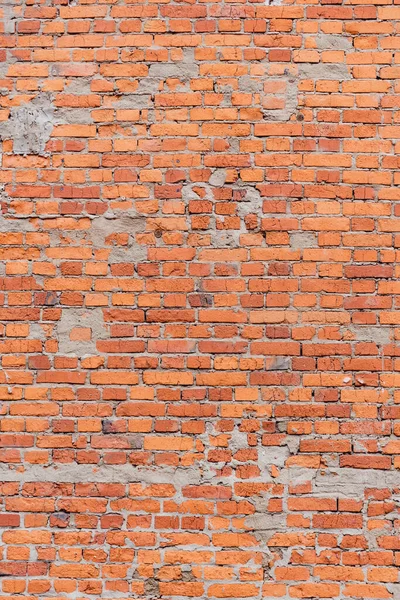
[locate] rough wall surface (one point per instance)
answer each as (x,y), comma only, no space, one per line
(200,299)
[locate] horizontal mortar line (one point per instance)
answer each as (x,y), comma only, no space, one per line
(340,482)
(73,473)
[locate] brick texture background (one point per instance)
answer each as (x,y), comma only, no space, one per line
(199,299)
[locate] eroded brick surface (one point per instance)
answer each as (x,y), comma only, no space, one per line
(199,300)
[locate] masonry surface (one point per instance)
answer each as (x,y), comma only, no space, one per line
(199,299)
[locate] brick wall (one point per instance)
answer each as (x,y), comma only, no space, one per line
(199,299)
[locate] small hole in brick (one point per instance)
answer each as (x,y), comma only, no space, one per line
(300,117)
(158,233)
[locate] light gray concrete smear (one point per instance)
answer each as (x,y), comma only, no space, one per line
(83,318)
(136,99)
(265,525)
(253,197)
(9,18)
(250,84)
(9,223)
(77,116)
(280,363)
(350,482)
(110,223)
(379,335)
(147,86)
(184,70)
(321,71)
(73,473)
(274,455)
(217,178)
(181,70)
(78,86)
(338,481)
(291,101)
(29,126)
(188,193)
(329,41)
(303,239)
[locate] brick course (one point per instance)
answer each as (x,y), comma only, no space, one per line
(199,299)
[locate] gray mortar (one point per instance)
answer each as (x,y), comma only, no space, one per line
(149,85)
(189,194)
(253,197)
(291,101)
(37,332)
(274,455)
(80,317)
(295,476)
(109,223)
(280,363)
(227,238)
(303,239)
(8,17)
(4,197)
(10,223)
(185,71)
(134,100)
(250,84)
(188,56)
(265,525)
(352,482)
(323,71)
(139,100)
(77,116)
(338,482)
(329,41)
(250,204)
(238,440)
(218,178)
(78,86)
(379,335)
(75,473)
(181,70)
(394,588)
(29,126)
(134,253)
(151,588)
(293,443)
